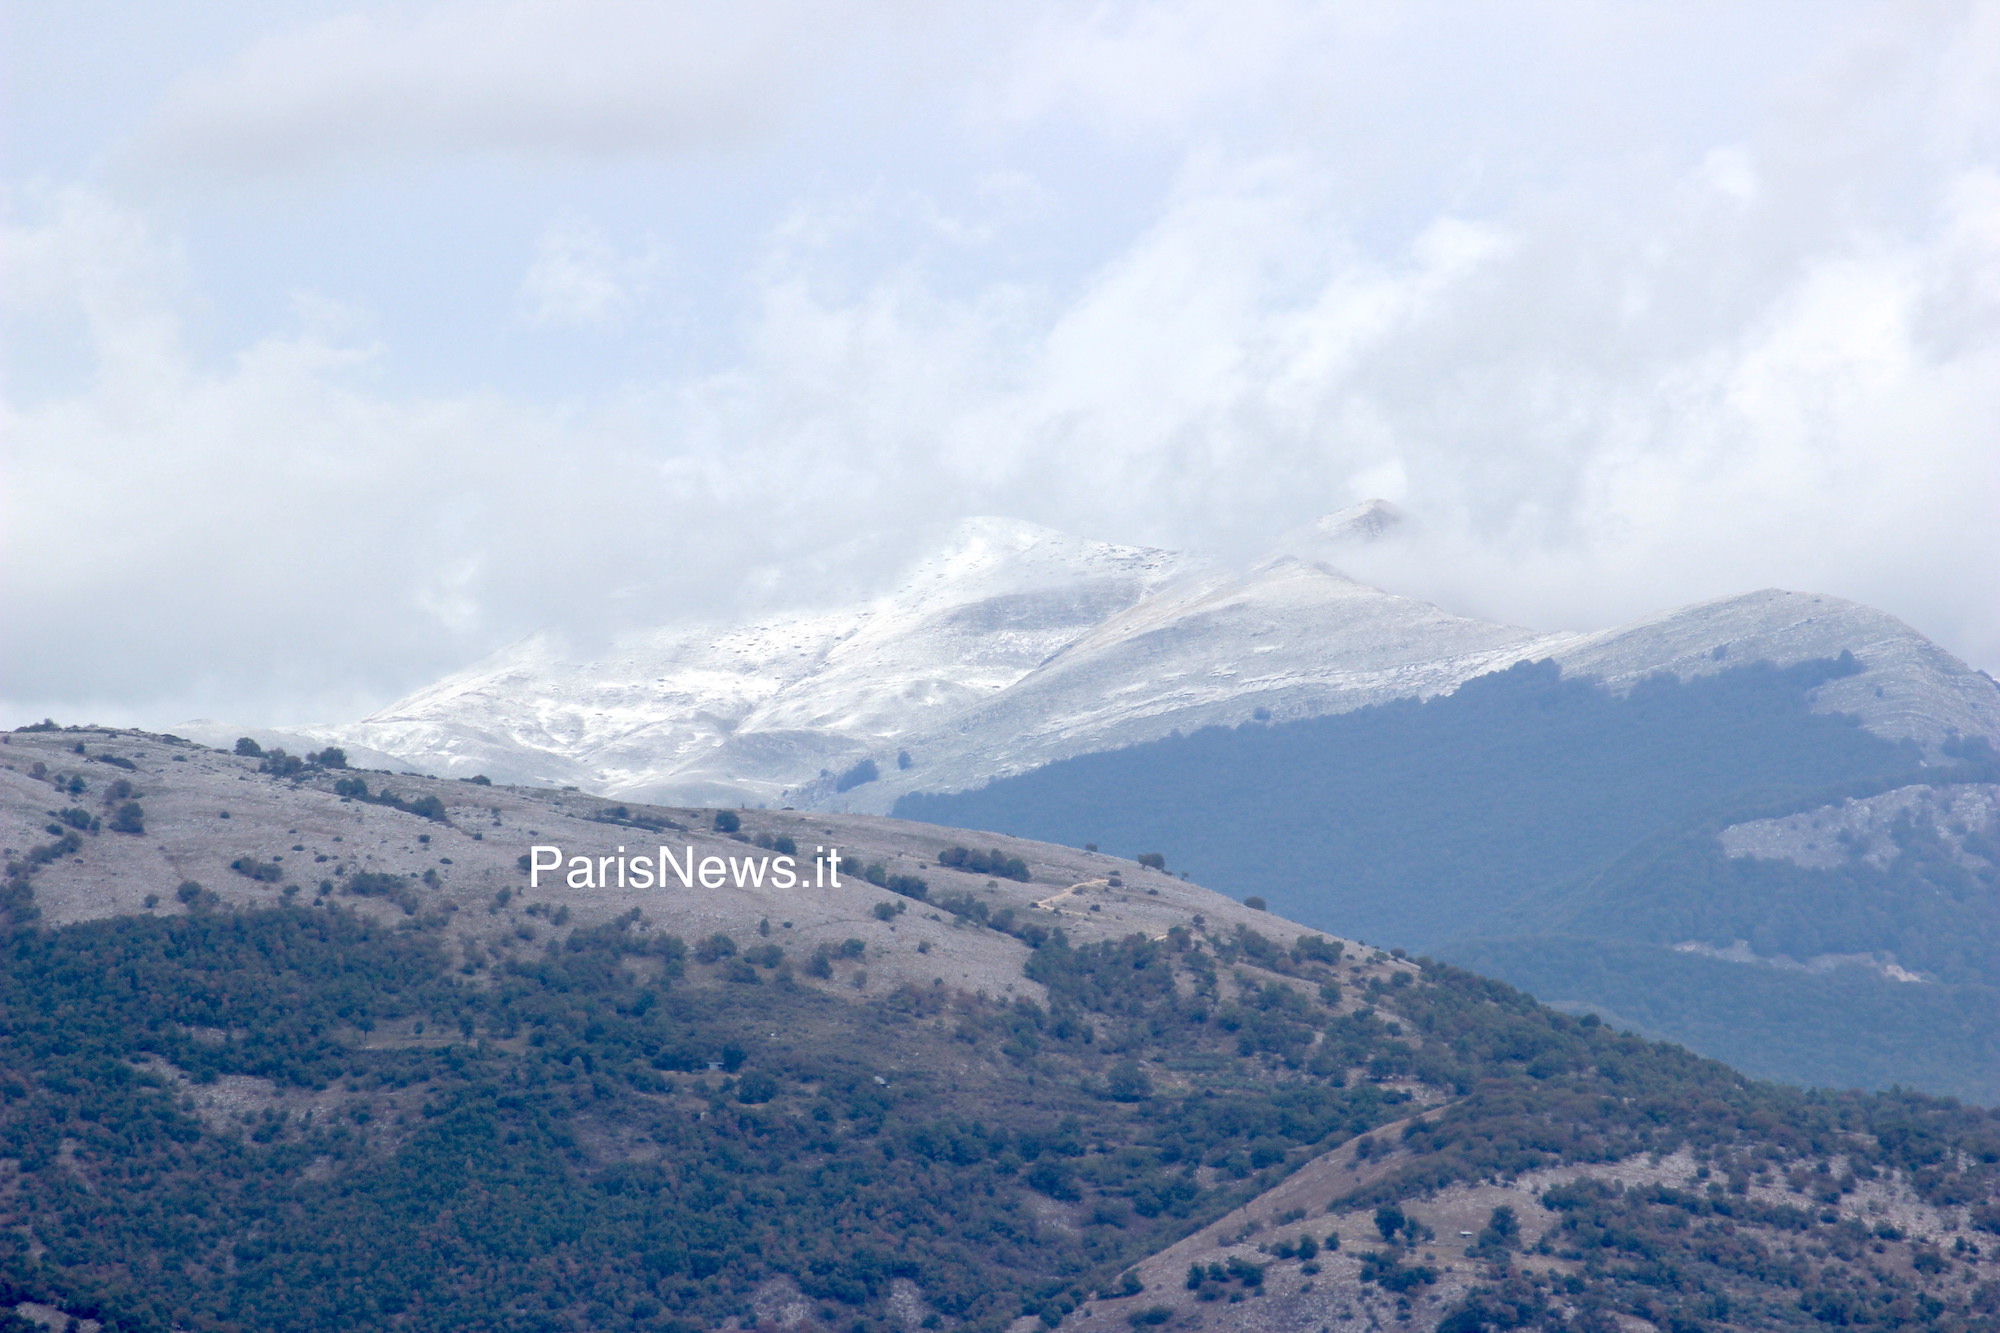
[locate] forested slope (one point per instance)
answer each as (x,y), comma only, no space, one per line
(1570,839)
(415,1105)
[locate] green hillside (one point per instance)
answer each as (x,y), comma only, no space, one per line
(419,1101)
(604,1138)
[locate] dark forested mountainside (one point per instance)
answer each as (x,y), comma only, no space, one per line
(1409,823)
(1927,894)
(1841,1027)
(1875,963)
(1571,841)
(365,1104)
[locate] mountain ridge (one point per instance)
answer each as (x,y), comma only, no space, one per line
(1015,645)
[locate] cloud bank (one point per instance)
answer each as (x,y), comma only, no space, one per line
(1628,305)
(524,77)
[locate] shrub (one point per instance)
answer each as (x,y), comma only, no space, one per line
(128,818)
(1386,1269)
(331,757)
(1256,904)
(863,772)
(714,947)
(246,746)
(350,787)
(281,765)
(1127,1082)
(1501,1233)
(1242,1270)
(1153,860)
(910,886)
(727,821)
(888,911)
(373,884)
(1316,949)
(428,807)
(989,862)
(189,892)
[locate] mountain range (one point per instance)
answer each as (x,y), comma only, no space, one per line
(1666,823)
(1014,646)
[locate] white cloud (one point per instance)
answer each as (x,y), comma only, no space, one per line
(539,79)
(274,530)
(1609,374)
(1136,67)
(579,278)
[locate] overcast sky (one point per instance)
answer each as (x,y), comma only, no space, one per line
(347,342)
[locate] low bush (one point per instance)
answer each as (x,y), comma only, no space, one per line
(990,862)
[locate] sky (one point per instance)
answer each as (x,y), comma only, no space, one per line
(344,343)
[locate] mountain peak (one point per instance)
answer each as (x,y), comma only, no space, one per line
(1369,521)
(1012,644)
(993,556)
(1332,535)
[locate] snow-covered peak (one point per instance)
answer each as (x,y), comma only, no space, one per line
(1331,538)
(997,557)
(1012,645)
(1369,521)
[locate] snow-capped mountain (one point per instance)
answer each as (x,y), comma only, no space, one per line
(1016,645)
(746,712)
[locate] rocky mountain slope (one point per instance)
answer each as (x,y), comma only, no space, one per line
(1015,646)
(295,1047)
